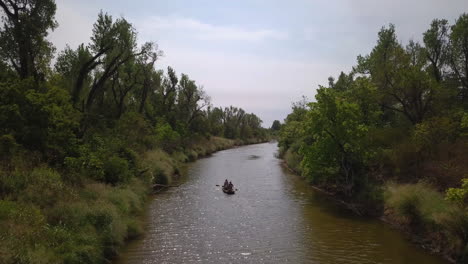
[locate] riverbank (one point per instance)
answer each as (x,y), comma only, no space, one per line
(46,219)
(418,211)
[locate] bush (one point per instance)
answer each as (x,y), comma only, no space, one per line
(23,232)
(159,165)
(417,204)
(116,170)
(44,187)
(370,196)
(459,195)
(166,137)
(293,159)
(8,146)
(134,229)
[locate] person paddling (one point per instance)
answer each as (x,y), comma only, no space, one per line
(230,186)
(226,184)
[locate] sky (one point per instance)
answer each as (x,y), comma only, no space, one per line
(260,55)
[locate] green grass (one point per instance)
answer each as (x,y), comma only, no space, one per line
(52,222)
(293,160)
(423,210)
(416,203)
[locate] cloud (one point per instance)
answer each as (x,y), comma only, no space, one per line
(157,24)
(75,25)
(262,85)
(259,55)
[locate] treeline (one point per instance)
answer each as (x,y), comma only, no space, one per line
(81,141)
(400,115)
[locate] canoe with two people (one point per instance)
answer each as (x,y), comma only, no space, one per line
(228,187)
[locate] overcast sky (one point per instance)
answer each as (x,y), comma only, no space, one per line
(260,55)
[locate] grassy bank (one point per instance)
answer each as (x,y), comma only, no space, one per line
(47,219)
(432,221)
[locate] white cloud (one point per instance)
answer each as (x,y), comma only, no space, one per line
(157,24)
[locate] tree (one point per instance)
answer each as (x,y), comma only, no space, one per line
(400,77)
(23,43)
(340,149)
(215,121)
(122,82)
(276,125)
(436,46)
(191,100)
(459,54)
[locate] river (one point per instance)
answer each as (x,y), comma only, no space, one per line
(274,217)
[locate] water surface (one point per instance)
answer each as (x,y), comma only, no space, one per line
(273,218)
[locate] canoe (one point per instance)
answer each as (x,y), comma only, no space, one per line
(227,191)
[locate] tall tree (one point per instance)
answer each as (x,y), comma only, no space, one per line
(23,43)
(400,76)
(146,61)
(436,46)
(459,54)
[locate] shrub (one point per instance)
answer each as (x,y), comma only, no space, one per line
(134,229)
(166,137)
(417,204)
(134,131)
(159,165)
(116,170)
(459,195)
(44,187)
(370,196)
(22,233)
(293,159)
(8,146)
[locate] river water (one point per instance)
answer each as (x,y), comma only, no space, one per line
(274,217)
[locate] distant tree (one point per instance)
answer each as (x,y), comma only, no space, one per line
(276,125)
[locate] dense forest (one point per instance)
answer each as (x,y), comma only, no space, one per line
(391,136)
(83,140)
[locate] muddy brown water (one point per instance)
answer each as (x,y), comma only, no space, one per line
(274,217)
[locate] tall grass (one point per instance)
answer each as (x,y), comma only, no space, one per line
(293,160)
(422,209)
(49,221)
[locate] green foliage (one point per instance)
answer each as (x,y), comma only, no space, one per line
(116,170)
(292,131)
(234,123)
(340,148)
(43,187)
(23,36)
(399,115)
(8,146)
(134,131)
(293,160)
(459,195)
(39,121)
(166,137)
(276,125)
